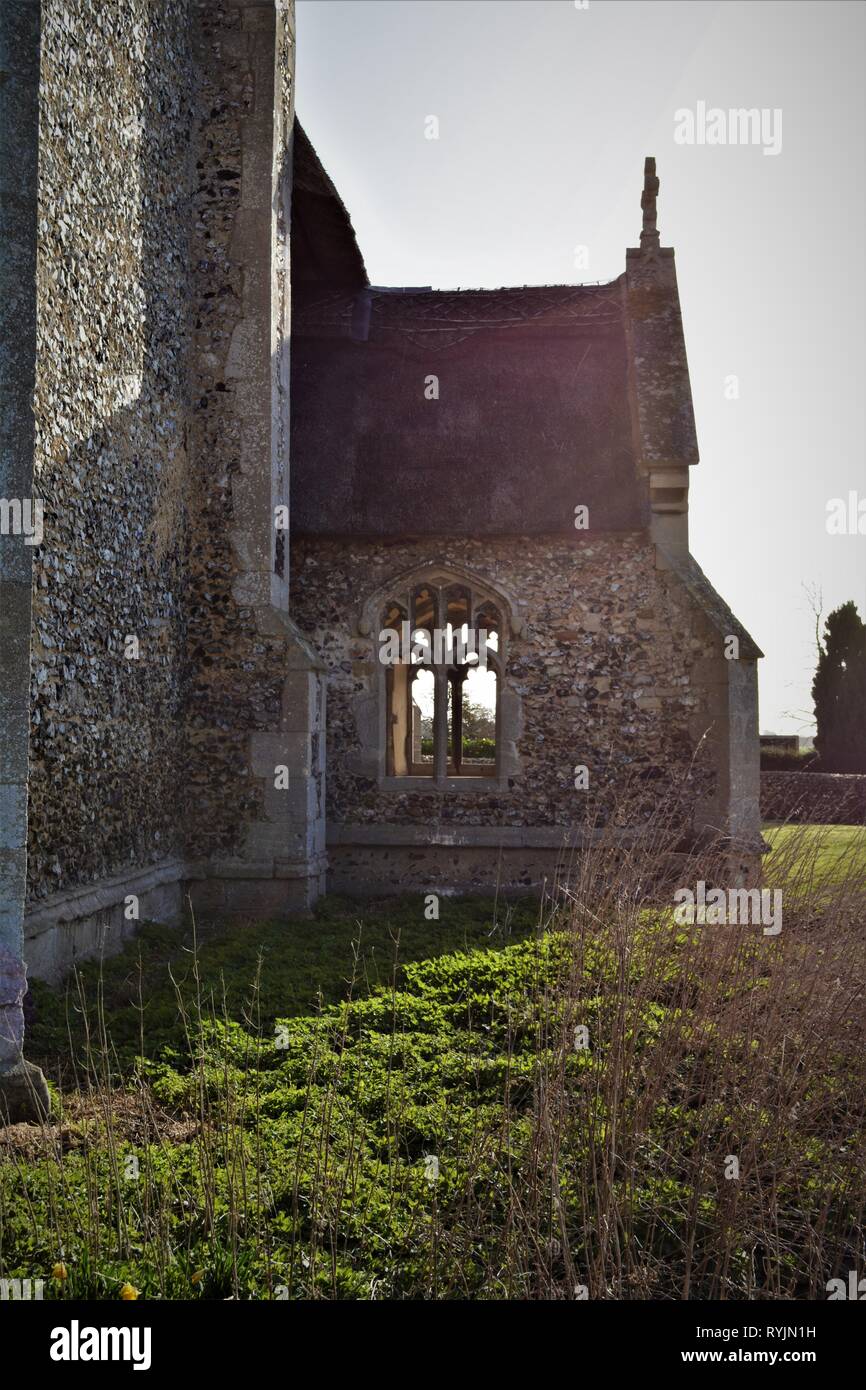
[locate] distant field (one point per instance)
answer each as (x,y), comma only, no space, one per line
(829,853)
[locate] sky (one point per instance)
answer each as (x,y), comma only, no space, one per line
(545,113)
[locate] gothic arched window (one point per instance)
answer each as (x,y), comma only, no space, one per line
(441,644)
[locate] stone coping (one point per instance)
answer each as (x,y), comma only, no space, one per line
(90,898)
(87,899)
(558,837)
(477,836)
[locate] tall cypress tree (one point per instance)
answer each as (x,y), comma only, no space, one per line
(839,692)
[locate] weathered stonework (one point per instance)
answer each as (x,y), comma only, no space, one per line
(825,798)
(111,424)
(608,670)
(256,698)
(167,681)
(23,1093)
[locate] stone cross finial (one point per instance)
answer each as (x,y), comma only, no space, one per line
(649,237)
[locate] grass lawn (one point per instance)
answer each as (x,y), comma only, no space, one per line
(832,853)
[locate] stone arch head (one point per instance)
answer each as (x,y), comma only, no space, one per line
(401,586)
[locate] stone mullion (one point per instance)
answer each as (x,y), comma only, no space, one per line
(498,667)
(440,725)
(410,725)
(457,679)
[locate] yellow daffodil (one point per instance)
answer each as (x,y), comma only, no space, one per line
(128,1292)
(59,1272)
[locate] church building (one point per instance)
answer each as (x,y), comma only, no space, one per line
(308,584)
(512,462)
